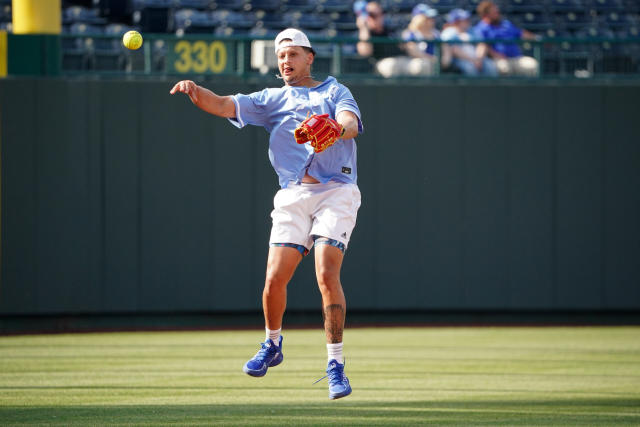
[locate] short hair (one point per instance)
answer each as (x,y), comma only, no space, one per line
(306,49)
(484,7)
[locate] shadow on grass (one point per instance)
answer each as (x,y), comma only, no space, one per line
(348,411)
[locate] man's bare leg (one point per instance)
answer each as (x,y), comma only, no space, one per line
(281,264)
(328,264)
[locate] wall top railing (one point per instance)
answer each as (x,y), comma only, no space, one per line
(242,56)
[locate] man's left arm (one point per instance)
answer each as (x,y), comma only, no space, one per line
(349,121)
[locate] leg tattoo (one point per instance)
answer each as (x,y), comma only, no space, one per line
(334,322)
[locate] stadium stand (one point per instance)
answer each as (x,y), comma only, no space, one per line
(551,19)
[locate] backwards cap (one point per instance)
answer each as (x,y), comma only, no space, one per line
(297,37)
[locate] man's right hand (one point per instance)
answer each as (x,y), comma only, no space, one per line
(188,87)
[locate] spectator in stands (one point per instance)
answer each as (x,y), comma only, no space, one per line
(384,56)
(420,31)
(464,57)
(508,56)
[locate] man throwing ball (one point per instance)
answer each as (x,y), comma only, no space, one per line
(312,126)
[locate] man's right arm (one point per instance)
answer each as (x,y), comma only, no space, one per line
(203,98)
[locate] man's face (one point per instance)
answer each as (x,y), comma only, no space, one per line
(294,63)
(494,14)
(463,24)
(375,17)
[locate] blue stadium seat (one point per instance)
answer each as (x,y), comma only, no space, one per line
(617,20)
(574,20)
(194,4)
(81,14)
(399,6)
(595,33)
(333,6)
(523,6)
(566,5)
(270,20)
(5,13)
(606,5)
(299,5)
(345,21)
(195,21)
(533,20)
(266,5)
(229,4)
(443,6)
(229,31)
(631,32)
(235,20)
(397,22)
(313,21)
(263,32)
(152,15)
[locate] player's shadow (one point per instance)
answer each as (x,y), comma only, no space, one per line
(349,411)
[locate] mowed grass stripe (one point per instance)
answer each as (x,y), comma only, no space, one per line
(400,376)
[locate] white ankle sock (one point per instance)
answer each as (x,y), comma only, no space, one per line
(335,352)
(273,335)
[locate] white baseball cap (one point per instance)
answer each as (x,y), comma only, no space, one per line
(297,37)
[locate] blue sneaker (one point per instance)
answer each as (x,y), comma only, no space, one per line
(338,381)
(268,356)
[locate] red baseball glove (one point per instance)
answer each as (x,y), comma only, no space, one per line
(320,130)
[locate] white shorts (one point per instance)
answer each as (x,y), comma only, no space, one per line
(301,211)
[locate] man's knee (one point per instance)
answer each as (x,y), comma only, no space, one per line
(274,281)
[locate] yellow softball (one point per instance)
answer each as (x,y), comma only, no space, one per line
(132,40)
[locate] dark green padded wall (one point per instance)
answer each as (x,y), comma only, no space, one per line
(117,197)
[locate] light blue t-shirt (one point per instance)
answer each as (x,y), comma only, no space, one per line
(281,110)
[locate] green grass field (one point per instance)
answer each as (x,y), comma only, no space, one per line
(400,376)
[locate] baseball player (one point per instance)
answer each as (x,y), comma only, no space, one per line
(312,126)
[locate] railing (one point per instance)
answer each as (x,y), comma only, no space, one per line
(198,54)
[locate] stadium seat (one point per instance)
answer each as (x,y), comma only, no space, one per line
(523,6)
(574,20)
(235,20)
(345,21)
(630,32)
(230,31)
(617,20)
(270,20)
(330,6)
(266,5)
(399,6)
(298,5)
(559,6)
(228,4)
(594,33)
(194,4)
(313,21)
(534,21)
(443,6)
(606,5)
(263,32)
(396,22)
(82,15)
(194,21)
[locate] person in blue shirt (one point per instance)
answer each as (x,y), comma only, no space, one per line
(464,56)
(418,36)
(507,56)
(319,197)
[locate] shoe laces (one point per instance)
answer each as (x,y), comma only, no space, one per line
(335,373)
(266,350)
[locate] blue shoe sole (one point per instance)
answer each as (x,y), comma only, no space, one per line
(262,372)
(334,396)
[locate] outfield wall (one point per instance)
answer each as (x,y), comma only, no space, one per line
(117,197)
